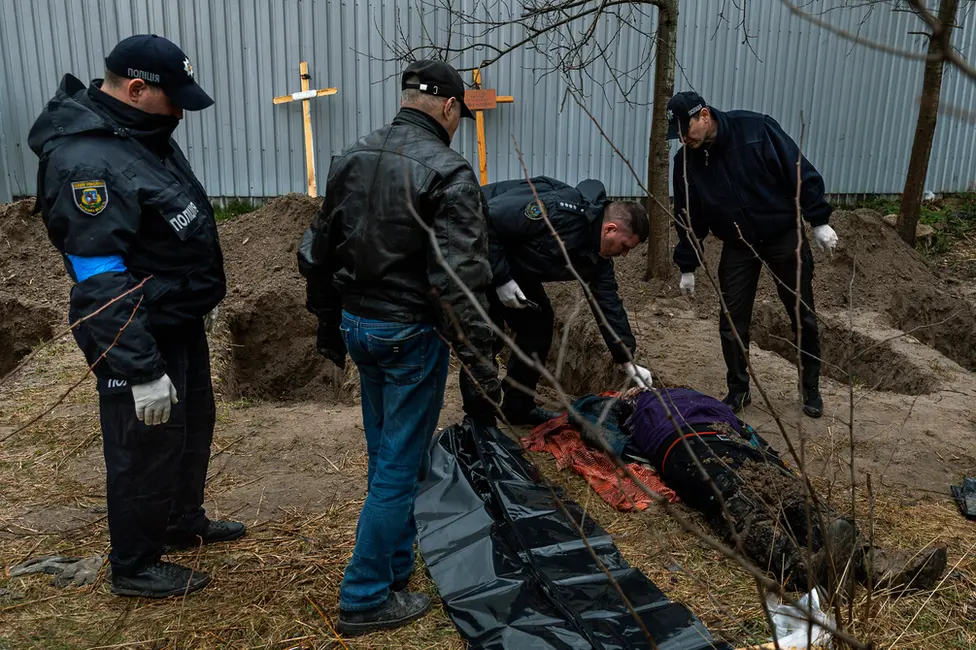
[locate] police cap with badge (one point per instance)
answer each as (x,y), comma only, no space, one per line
(159,62)
(682,107)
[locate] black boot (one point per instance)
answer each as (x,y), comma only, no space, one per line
(812,402)
(736,399)
(399,609)
(216,531)
(899,570)
(160,580)
(534,417)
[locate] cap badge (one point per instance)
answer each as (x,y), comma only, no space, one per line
(188,68)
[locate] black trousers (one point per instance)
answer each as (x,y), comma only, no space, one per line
(764,501)
(533,331)
(738,274)
(156,474)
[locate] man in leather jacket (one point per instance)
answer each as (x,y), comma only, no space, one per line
(736,178)
(137,233)
(399,240)
(524,254)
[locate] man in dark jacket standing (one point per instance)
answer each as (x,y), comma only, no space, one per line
(380,292)
(134,225)
(736,177)
(524,254)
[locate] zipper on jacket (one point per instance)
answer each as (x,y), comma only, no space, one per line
(706,157)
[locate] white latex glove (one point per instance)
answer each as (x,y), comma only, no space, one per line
(640,375)
(687,285)
(511,295)
(210,319)
(153,400)
(825,237)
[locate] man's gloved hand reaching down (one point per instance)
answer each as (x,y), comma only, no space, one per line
(511,295)
(640,375)
(826,238)
(687,285)
(154,400)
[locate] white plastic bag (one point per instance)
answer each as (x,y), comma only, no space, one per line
(791,627)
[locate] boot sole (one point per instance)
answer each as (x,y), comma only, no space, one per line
(182,547)
(123,591)
(921,576)
(356,629)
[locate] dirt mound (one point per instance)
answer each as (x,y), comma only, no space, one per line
(871,269)
(579,357)
(868,354)
(33,283)
(30,267)
(272,334)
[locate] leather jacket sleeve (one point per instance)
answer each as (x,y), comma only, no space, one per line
(461,232)
(317,262)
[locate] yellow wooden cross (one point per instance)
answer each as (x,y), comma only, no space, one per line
(304,96)
(480,100)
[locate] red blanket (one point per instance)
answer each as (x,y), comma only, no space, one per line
(563,441)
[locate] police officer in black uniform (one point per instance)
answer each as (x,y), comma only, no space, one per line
(524,255)
(736,177)
(134,226)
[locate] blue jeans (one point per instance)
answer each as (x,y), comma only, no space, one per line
(403,370)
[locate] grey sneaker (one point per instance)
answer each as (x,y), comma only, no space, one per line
(400,608)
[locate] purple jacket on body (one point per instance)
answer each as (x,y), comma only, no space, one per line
(650,426)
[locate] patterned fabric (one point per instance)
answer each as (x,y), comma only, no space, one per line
(563,440)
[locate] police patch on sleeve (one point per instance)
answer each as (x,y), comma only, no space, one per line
(91,197)
(533,211)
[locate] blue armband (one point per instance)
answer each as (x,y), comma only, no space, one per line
(86,267)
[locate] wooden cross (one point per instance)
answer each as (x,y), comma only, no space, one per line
(480,100)
(305,95)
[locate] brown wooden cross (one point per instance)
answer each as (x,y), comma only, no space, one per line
(304,96)
(480,100)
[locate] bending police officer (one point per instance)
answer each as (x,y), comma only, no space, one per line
(524,255)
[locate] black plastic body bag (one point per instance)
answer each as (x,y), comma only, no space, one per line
(513,571)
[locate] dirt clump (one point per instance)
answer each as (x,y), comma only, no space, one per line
(940,319)
(34,285)
(30,267)
(272,333)
(22,326)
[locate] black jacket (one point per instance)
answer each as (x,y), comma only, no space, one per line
(522,246)
(746,178)
(367,252)
(120,212)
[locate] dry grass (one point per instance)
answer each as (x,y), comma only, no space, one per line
(726,600)
(278,587)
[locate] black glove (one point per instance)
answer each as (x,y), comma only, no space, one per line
(329,343)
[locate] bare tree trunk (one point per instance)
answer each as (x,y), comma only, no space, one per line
(928,111)
(658,161)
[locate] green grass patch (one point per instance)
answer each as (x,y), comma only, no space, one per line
(953,217)
(233,209)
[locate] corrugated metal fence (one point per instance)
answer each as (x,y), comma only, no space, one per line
(859,105)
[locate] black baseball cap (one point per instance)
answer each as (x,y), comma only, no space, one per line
(682,107)
(436,78)
(159,62)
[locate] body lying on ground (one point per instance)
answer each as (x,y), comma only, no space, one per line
(711,458)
